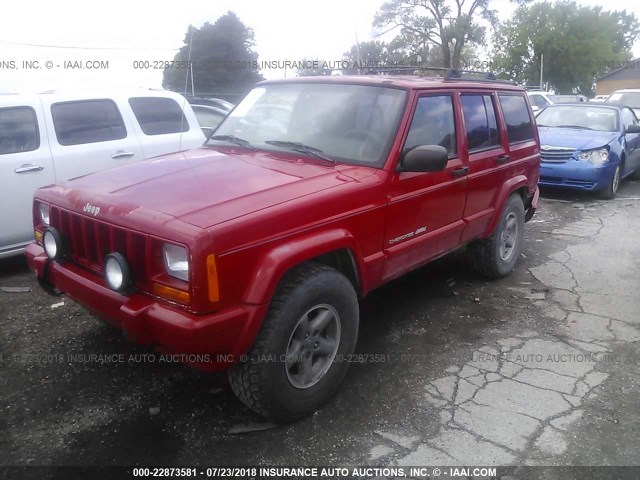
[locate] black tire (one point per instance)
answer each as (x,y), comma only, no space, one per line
(264,382)
(486,257)
(611,189)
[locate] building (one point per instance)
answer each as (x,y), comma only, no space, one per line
(626,77)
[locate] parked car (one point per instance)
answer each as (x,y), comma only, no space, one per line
(628,97)
(599,98)
(52,137)
(250,254)
(539,100)
(209,117)
(211,102)
(569,98)
(588,147)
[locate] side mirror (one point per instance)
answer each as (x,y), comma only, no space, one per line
(424,158)
(633,128)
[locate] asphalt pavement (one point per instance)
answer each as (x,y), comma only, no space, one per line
(539,368)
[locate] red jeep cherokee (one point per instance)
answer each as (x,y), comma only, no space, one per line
(251,253)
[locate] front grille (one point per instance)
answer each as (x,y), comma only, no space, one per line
(89,241)
(556,155)
(566,182)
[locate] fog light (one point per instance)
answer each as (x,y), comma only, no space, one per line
(116,272)
(52,242)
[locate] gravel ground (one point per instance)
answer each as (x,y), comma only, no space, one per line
(539,368)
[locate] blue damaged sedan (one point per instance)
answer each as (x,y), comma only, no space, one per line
(588,146)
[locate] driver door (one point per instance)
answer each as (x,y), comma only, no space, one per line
(424,213)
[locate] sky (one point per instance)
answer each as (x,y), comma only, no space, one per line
(118,37)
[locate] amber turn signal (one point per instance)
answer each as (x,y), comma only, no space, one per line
(212,274)
(171,293)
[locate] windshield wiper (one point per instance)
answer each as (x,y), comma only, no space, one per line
(300,147)
(232,139)
(574,126)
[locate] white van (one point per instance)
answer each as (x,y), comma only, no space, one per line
(51,137)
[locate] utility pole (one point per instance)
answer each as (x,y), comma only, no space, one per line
(541,70)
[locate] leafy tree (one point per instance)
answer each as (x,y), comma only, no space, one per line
(448,25)
(222,56)
(578,44)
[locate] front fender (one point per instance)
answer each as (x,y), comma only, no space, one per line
(283,257)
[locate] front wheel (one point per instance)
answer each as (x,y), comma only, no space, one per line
(496,256)
(611,189)
(298,360)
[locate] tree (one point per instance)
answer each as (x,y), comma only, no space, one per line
(447,25)
(222,57)
(578,44)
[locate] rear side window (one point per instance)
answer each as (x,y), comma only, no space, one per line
(18,130)
(433,124)
(480,122)
(87,121)
(159,116)
(516,116)
(539,101)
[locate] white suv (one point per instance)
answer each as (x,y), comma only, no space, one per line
(539,100)
(51,137)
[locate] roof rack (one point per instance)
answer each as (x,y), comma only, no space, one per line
(450,74)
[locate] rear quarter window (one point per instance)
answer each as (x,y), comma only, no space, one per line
(516,116)
(87,121)
(158,115)
(18,130)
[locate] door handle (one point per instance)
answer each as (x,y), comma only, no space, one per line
(459,172)
(29,168)
(122,155)
(502,159)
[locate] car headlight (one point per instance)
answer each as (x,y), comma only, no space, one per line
(176,261)
(43,210)
(597,157)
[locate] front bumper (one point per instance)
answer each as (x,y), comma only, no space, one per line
(576,174)
(206,342)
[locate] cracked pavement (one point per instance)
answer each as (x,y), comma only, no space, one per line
(539,368)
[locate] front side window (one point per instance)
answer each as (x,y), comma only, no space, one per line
(346,123)
(628,118)
(87,121)
(433,124)
(516,116)
(480,122)
(158,115)
(18,130)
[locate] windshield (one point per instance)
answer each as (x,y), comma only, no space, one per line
(590,118)
(345,123)
(628,99)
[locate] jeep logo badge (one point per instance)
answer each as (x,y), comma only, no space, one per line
(91,209)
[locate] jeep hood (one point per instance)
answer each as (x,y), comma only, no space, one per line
(208,186)
(575,138)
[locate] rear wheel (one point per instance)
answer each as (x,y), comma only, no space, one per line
(297,362)
(496,256)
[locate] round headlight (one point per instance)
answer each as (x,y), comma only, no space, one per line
(52,242)
(116,272)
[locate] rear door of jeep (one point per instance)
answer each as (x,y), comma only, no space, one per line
(485,149)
